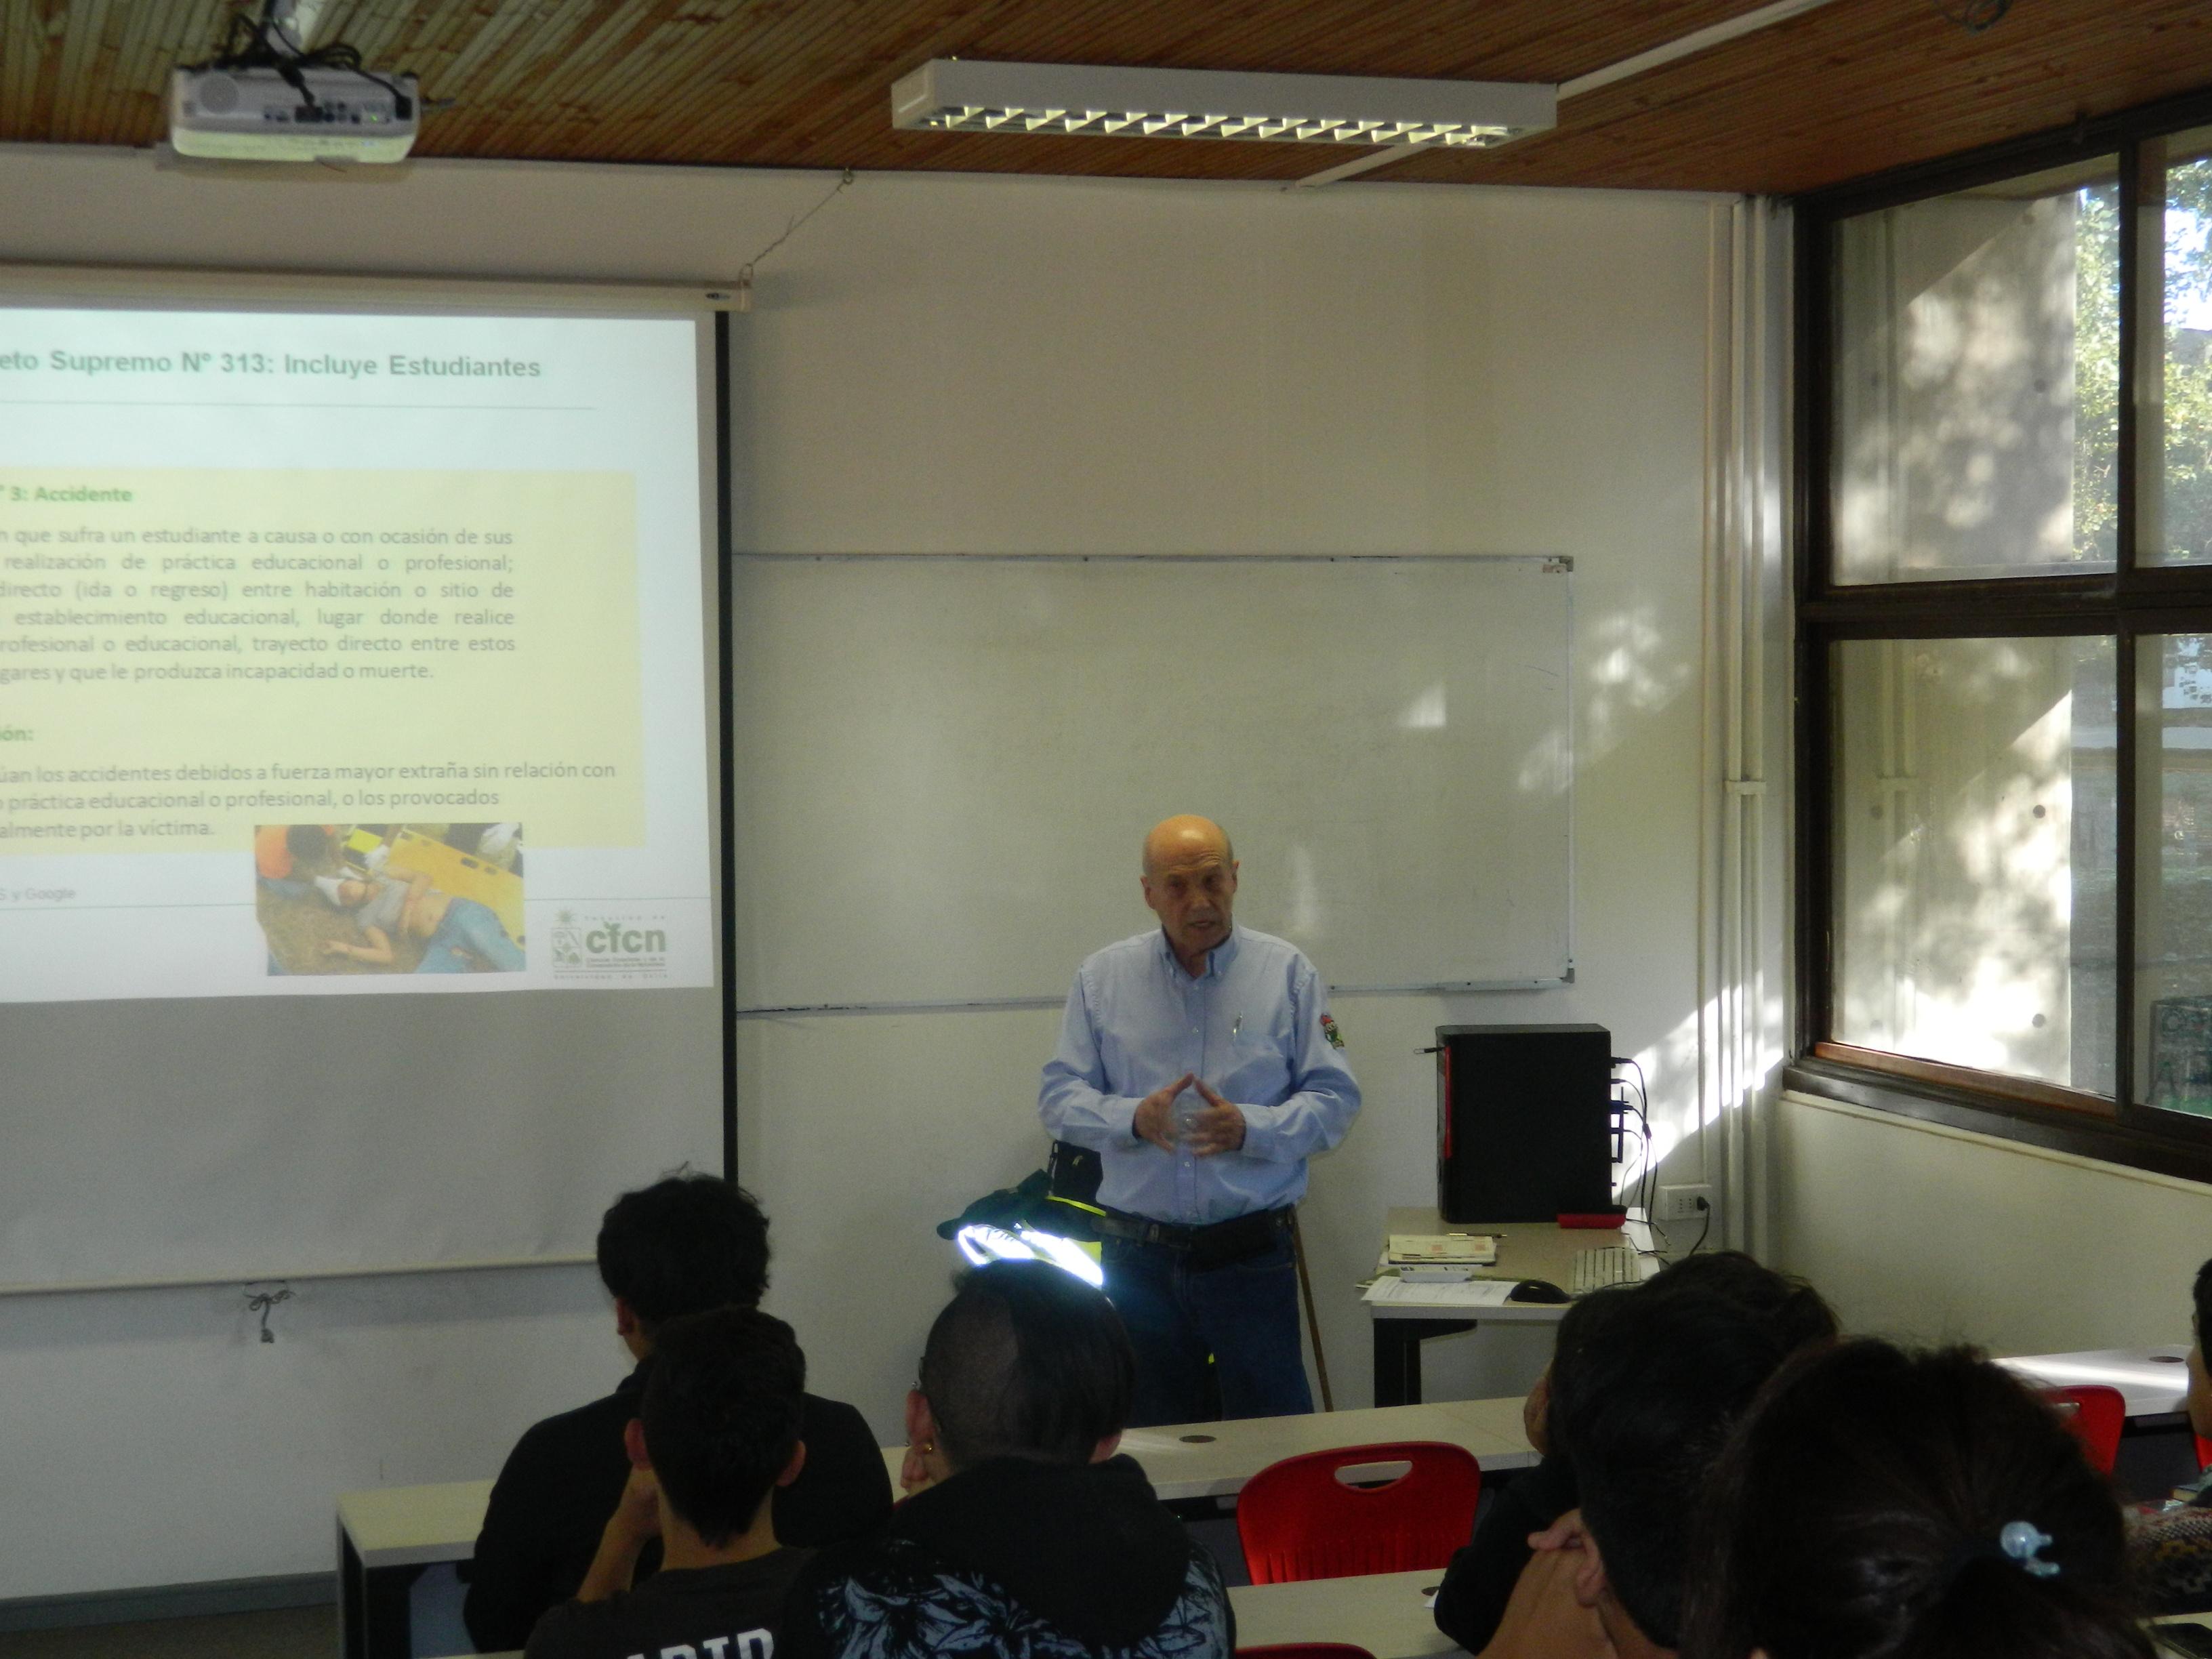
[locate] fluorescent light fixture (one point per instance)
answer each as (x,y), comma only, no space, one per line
(953,95)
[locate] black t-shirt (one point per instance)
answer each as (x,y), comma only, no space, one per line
(1479,1581)
(565,1475)
(729,1612)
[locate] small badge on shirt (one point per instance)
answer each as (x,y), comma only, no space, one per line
(1329,1029)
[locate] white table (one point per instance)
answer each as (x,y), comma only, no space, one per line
(2154,1382)
(1385,1613)
(387,1534)
(1526,1250)
(1214,1460)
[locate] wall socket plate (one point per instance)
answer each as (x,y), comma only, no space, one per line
(1680,1203)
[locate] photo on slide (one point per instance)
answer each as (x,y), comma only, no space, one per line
(389,898)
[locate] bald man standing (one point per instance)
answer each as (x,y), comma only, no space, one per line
(1200,1060)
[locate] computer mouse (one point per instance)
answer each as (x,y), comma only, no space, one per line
(1537,1290)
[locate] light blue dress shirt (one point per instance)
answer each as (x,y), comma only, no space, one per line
(1250,1026)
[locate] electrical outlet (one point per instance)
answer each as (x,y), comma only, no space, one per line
(1684,1203)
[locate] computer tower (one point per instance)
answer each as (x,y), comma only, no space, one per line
(1523,1119)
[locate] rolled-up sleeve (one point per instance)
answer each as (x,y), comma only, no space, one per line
(1071,1098)
(1325,1095)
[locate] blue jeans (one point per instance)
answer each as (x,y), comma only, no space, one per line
(1245,1316)
(469,926)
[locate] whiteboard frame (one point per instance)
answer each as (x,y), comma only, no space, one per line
(1560,564)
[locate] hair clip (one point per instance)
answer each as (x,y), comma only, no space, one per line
(2023,1542)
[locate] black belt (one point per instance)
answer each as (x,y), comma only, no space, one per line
(1216,1246)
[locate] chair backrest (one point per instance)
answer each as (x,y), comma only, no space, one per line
(1297,1519)
(2099,1413)
(1305,1650)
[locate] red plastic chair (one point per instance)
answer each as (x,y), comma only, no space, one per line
(1298,1519)
(1305,1650)
(2203,1452)
(2098,1414)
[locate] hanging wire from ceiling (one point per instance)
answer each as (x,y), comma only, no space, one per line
(1973,15)
(744,287)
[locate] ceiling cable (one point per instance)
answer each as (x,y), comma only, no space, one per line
(745,286)
(1974,16)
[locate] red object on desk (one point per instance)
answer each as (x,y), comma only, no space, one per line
(1609,1219)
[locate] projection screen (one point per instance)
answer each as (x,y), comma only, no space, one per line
(360,725)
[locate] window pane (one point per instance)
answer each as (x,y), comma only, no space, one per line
(1973,819)
(2173,392)
(1977,381)
(2173,913)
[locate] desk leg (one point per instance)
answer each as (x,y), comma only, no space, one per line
(1398,1356)
(375,1620)
(353,1586)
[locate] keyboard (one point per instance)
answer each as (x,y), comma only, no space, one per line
(1596,1269)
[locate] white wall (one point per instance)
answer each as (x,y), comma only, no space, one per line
(984,365)
(1931,1234)
(1103,367)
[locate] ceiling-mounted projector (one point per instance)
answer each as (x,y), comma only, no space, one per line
(296,113)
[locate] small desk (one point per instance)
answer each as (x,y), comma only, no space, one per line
(386,1537)
(1526,1250)
(387,1534)
(2154,1382)
(1385,1613)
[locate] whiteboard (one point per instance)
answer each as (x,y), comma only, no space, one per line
(944,767)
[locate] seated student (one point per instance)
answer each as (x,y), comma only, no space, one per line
(1025,1534)
(1479,1581)
(683,1245)
(2173,1549)
(1881,1503)
(1648,1387)
(716,1434)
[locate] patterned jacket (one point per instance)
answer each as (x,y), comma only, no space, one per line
(1014,1557)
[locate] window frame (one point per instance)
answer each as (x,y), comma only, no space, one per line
(2126,604)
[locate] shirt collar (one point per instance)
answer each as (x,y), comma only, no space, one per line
(1216,960)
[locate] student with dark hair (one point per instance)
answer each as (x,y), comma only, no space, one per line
(1797,1313)
(1644,1399)
(717,1433)
(1881,1505)
(2171,1549)
(683,1245)
(1478,1585)
(1025,1534)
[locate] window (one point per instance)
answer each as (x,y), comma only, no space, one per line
(2005,610)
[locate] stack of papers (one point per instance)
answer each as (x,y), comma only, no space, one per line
(1468,1293)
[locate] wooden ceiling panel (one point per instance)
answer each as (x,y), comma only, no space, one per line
(1853,87)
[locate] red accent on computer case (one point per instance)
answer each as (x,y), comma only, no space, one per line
(1443,1054)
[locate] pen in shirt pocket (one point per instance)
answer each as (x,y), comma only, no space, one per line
(1234,1026)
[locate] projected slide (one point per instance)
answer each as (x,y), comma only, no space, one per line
(345,653)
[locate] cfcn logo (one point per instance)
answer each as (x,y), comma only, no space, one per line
(610,946)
